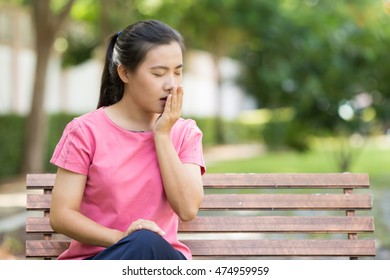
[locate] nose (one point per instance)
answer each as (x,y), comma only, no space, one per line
(170,82)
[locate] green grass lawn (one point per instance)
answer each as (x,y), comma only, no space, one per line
(371,160)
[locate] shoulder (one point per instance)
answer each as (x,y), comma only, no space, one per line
(85,126)
(184,130)
(89,122)
(183,125)
(91,118)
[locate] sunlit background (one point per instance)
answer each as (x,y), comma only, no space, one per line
(276,86)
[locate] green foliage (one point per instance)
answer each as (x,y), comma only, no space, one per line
(11,144)
(80,48)
(12,141)
(235,131)
(279,135)
(207,126)
(316,56)
(92,22)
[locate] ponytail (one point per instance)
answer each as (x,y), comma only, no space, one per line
(111,88)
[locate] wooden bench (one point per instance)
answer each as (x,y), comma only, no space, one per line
(249,216)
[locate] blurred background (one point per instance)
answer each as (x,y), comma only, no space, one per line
(276,86)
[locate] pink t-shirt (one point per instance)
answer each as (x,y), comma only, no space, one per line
(124,181)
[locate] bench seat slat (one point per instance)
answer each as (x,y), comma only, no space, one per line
(287,201)
(199,248)
(274,224)
(282,247)
(257,201)
(38,202)
(279,224)
(45,248)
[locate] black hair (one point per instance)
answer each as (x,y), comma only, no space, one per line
(129,48)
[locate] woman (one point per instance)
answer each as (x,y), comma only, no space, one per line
(128,171)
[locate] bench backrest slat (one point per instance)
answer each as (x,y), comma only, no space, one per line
(277,180)
(252,180)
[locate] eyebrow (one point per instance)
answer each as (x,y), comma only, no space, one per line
(165,67)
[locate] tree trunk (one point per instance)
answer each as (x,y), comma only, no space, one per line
(37,121)
(46,25)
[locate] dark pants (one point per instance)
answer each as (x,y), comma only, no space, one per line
(140,245)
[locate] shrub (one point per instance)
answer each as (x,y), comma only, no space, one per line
(11,144)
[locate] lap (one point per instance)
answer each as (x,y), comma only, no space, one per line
(140,245)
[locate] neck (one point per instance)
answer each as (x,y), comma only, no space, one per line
(130,117)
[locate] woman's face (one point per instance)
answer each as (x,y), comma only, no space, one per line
(154,79)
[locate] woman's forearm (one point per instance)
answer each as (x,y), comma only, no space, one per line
(79,227)
(182,182)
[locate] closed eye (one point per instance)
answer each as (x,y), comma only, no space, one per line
(158,74)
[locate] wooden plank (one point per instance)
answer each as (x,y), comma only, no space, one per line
(266,224)
(257,202)
(286,180)
(278,224)
(287,201)
(250,180)
(40,181)
(245,248)
(38,201)
(45,248)
(38,225)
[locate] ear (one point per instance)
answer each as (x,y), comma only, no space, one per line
(123,73)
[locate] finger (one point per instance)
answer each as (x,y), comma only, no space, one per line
(168,104)
(145,224)
(137,225)
(152,226)
(176,101)
(180,94)
(158,230)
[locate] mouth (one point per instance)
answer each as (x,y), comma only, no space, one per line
(164,99)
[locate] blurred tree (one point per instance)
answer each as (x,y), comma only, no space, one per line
(323,58)
(47,21)
(92,23)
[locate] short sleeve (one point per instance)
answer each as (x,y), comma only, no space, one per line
(191,150)
(73,152)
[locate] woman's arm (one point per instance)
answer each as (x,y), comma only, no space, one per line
(182,182)
(66,218)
